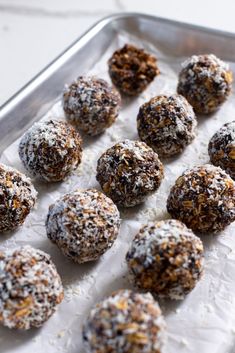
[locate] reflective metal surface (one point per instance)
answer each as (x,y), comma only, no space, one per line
(174,38)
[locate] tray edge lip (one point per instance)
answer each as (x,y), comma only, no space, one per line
(96,27)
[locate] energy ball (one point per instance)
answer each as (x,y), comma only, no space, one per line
(167,124)
(203,198)
(30,288)
(132,69)
(125,322)
(128,172)
(166,258)
(83,224)
(222,148)
(206,82)
(91,104)
(50,150)
(17,198)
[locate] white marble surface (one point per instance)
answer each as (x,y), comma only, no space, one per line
(33,32)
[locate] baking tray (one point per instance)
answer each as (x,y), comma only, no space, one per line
(175,40)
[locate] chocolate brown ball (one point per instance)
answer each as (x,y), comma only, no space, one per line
(91,105)
(167,124)
(132,69)
(166,258)
(221,148)
(30,288)
(50,150)
(129,172)
(83,224)
(206,82)
(125,322)
(203,198)
(17,198)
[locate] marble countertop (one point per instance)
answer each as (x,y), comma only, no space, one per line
(33,32)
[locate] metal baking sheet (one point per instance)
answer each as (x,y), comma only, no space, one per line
(205,320)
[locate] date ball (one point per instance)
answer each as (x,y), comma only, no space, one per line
(30,288)
(203,198)
(83,224)
(167,124)
(91,105)
(206,82)
(125,322)
(17,198)
(166,258)
(128,172)
(222,148)
(132,69)
(50,150)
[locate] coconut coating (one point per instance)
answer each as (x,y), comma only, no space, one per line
(125,322)
(203,198)
(221,148)
(50,150)
(132,69)
(30,288)
(166,258)
(206,82)
(167,124)
(83,224)
(91,104)
(17,198)
(128,172)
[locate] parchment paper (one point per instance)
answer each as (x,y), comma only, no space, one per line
(205,321)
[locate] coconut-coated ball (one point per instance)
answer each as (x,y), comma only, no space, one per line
(83,224)
(167,124)
(30,288)
(203,198)
(17,198)
(128,172)
(206,82)
(125,322)
(221,148)
(50,150)
(91,104)
(132,69)
(166,258)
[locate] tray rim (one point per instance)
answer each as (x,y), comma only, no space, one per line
(84,38)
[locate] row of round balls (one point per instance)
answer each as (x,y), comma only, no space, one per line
(165,123)
(128,172)
(128,332)
(31,289)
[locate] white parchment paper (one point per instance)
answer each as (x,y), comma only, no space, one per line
(205,321)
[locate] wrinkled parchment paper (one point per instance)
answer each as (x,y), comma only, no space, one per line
(205,321)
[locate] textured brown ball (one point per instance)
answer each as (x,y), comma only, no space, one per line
(83,224)
(50,150)
(206,82)
(203,198)
(125,322)
(167,124)
(17,198)
(91,104)
(221,148)
(128,172)
(30,288)
(132,69)
(166,258)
